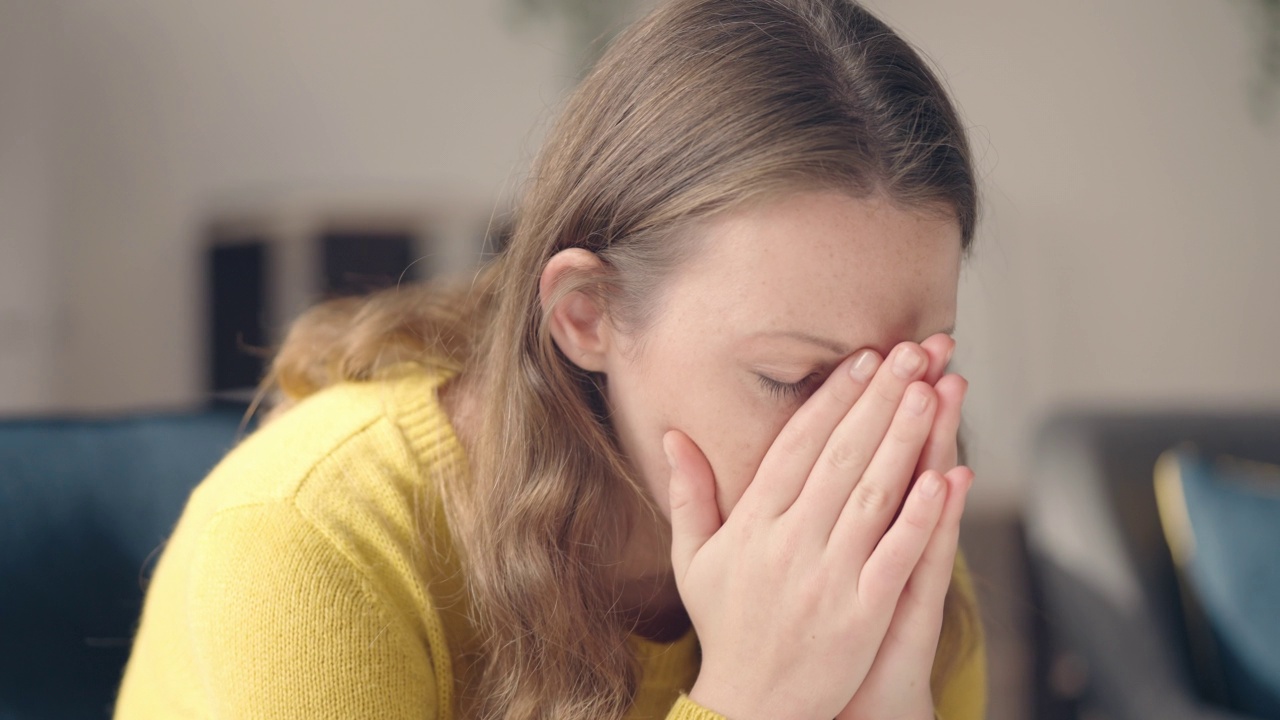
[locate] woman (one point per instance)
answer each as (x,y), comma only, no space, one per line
(687,447)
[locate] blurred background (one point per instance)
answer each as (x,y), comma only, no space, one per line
(179,179)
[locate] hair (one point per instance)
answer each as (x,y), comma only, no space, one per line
(700,107)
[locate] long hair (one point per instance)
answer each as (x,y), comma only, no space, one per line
(700,107)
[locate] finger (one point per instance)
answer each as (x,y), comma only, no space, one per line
(791,458)
(692,492)
(882,578)
(877,497)
(940,348)
(941,451)
(855,440)
(906,654)
(918,619)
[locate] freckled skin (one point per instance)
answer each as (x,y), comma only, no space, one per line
(855,272)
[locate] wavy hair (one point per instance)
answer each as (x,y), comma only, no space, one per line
(698,108)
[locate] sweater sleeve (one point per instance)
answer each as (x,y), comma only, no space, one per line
(686,709)
(285,626)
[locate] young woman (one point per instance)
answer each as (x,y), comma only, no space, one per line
(687,448)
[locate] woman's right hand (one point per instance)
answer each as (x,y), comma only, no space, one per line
(792,594)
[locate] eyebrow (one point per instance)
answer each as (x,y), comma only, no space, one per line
(832,345)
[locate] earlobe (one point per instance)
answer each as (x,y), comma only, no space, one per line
(577,322)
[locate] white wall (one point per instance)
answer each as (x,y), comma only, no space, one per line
(168,111)
(1131,239)
(28,308)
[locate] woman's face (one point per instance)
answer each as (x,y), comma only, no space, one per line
(774,298)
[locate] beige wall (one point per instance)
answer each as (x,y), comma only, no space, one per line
(1132,234)
(165,113)
(1126,256)
(28,308)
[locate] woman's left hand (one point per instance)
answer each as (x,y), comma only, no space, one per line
(907,652)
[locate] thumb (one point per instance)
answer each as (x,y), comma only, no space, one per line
(692,492)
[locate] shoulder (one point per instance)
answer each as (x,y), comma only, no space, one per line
(353,472)
(357,464)
(282,621)
(333,444)
(301,558)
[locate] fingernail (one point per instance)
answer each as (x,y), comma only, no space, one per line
(930,484)
(907,362)
(917,401)
(950,351)
(864,366)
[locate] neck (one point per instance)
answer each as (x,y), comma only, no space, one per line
(646,585)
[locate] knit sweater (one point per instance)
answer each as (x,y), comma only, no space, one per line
(297,583)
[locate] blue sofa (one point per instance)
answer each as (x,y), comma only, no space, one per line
(85,506)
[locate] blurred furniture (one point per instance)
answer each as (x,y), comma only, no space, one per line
(1100,566)
(85,506)
(1221,519)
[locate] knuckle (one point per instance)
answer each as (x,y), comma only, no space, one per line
(898,559)
(872,497)
(917,519)
(844,455)
(908,430)
(845,391)
(903,432)
(887,391)
(792,444)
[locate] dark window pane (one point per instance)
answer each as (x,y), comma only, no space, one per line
(360,262)
(237,304)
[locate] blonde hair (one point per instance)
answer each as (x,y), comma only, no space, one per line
(694,110)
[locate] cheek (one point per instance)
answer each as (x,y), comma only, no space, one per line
(729,420)
(735,444)
(648,399)
(733,429)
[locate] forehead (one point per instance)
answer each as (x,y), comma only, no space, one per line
(862,272)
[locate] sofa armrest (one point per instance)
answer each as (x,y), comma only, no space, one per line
(1100,561)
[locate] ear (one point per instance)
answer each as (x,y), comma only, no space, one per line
(578,323)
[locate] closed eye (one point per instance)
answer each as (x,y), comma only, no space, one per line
(789,391)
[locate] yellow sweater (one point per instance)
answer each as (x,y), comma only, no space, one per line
(296,584)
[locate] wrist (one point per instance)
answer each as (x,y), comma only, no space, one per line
(727,700)
(707,695)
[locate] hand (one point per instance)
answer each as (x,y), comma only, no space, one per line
(906,657)
(793,593)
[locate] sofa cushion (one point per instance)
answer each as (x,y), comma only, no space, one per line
(1221,518)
